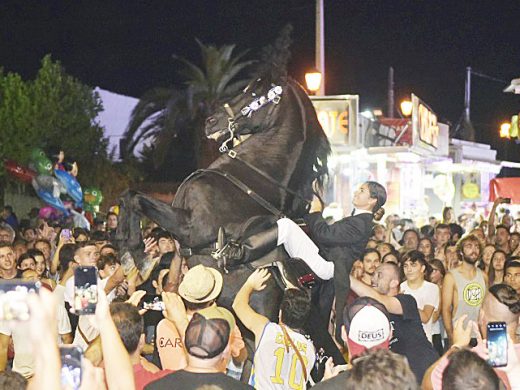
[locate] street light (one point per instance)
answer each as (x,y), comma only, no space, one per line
(406,107)
(313,81)
(504,130)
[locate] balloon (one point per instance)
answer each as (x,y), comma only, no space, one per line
(47,197)
(72,186)
(21,173)
(50,184)
(92,196)
(40,162)
(43,165)
(37,153)
(47,212)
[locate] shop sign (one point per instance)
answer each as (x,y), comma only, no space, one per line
(338,117)
(471,186)
(424,122)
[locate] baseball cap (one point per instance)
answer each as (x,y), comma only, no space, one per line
(206,338)
(201,284)
(368,326)
(214,311)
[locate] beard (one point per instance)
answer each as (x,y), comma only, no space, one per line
(470,260)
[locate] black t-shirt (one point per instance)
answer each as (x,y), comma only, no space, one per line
(336,383)
(409,338)
(184,380)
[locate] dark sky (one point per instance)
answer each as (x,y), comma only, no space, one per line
(127,46)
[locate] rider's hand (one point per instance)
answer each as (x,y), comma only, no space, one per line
(257,280)
(316,205)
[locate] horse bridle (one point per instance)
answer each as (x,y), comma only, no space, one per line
(273,96)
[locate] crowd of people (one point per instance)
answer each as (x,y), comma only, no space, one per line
(414,313)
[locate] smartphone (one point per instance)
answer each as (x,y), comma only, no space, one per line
(85,290)
(71,367)
(497,344)
(66,233)
(506,200)
(13,299)
(153,302)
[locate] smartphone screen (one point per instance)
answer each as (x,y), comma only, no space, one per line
(71,364)
(497,344)
(13,299)
(85,290)
(153,302)
(66,233)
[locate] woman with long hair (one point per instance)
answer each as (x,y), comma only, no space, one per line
(448,216)
(496,267)
(485,259)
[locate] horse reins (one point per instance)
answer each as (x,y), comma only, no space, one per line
(233,155)
(274,96)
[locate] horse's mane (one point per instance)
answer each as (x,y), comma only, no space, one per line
(313,161)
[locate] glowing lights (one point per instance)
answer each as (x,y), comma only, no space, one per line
(313,80)
(504,130)
(406,108)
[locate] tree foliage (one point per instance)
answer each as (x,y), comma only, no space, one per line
(174,117)
(54,111)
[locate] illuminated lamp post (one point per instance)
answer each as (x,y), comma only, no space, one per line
(504,130)
(313,81)
(406,108)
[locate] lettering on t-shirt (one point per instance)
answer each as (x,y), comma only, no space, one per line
(279,339)
(473,294)
(168,342)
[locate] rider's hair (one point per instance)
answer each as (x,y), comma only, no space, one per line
(506,295)
(295,308)
(377,192)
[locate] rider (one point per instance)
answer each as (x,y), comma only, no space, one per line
(335,247)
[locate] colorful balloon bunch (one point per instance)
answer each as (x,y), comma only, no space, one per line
(49,183)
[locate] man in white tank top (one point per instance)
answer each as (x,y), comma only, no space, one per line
(464,287)
(284,356)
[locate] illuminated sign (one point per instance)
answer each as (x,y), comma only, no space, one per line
(338,117)
(424,121)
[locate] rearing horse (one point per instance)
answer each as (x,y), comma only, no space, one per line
(285,153)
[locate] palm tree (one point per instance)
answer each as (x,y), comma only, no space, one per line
(168,116)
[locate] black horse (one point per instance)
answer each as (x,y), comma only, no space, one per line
(286,151)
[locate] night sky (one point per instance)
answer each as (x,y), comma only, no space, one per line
(127,46)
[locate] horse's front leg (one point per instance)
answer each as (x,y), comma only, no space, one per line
(134,205)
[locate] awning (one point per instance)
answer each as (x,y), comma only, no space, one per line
(505,187)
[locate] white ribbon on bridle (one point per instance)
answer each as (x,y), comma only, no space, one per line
(273,95)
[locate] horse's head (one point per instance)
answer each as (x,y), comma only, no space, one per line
(246,113)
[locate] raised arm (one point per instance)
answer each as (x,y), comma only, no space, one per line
(251,319)
(392,304)
(346,231)
(118,368)
(492,216)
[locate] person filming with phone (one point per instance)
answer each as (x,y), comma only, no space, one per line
(497,340)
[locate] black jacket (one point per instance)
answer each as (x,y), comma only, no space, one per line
(343,242)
